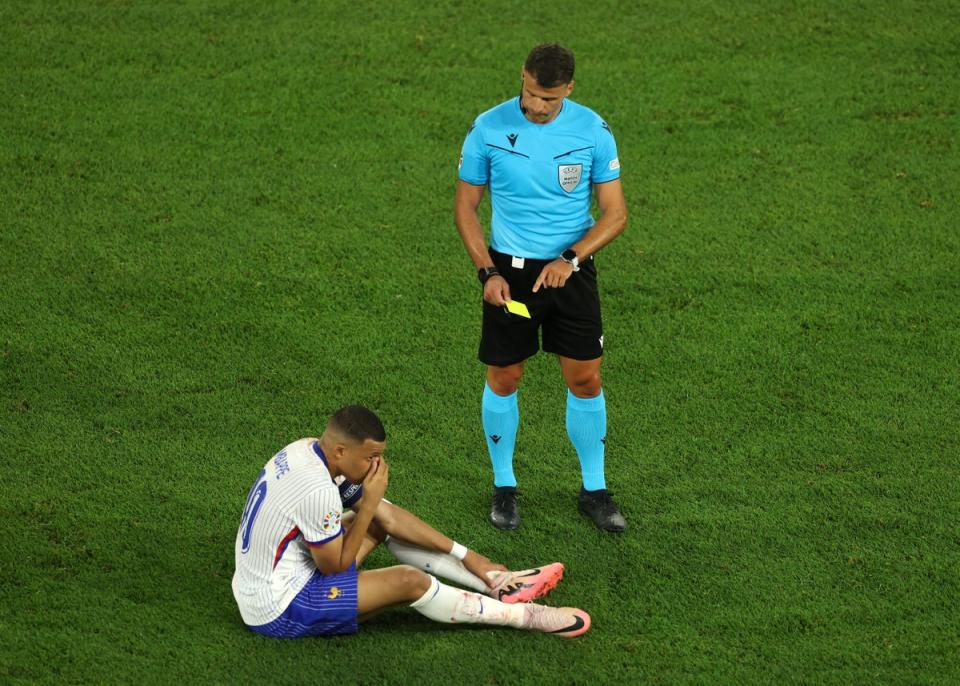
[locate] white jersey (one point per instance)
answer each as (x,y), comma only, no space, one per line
(293,504)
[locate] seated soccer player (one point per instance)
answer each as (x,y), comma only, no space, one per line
(297,551)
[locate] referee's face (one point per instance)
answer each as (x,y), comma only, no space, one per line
(541,105)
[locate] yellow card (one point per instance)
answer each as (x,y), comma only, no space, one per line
(518,308)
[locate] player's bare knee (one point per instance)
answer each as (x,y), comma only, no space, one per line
(413,580)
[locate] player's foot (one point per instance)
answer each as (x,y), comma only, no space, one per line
(503,509)
(599,506)
(559,621)
(527,585)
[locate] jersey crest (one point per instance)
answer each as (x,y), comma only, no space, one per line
(569,175)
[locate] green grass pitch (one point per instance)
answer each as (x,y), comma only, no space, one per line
(220,221)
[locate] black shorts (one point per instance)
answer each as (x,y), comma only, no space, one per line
(569,316)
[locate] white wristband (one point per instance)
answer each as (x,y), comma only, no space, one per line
(459,551)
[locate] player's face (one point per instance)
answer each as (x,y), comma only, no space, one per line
(358,457)
(541,105)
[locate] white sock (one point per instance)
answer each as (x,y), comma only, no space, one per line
(449,605)
(441,564)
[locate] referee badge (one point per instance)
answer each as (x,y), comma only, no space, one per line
(569,176)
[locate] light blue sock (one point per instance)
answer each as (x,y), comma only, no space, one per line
(587,428)
(500,420)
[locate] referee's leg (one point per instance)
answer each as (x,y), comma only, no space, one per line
(587,428)
(501,417)
(505,380)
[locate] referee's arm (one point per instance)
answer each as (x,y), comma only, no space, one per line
(465,205)
(610,224)
(496,290)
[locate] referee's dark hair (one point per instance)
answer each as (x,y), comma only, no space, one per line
(550,64)
(358,423)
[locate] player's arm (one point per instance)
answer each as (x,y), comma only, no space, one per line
(406,526)
(338,554)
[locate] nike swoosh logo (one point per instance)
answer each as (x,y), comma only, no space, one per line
(514,589)
(578,624)
(533,572)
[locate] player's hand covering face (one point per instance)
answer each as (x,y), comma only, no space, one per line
(358,459)
(376,479)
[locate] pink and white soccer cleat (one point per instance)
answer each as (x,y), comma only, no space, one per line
(527,585)
(565,622)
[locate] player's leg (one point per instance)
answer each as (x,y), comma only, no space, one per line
(509,587)
(380,589)
(439,564)
(383,588)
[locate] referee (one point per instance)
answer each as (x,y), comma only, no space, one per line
(543,157)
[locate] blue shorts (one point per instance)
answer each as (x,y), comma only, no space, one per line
(326,606)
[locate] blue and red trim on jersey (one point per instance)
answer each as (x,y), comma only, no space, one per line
(317,544)
(294,532)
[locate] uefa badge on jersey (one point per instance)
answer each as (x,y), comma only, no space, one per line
(331,522)
(569,176)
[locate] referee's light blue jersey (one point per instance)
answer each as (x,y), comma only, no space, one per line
(540,175)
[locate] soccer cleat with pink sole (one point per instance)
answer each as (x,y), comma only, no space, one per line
(527,585)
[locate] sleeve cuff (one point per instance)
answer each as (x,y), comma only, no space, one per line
(607,180)
(472,182)
(317,544)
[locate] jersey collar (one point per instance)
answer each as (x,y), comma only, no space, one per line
(319,452)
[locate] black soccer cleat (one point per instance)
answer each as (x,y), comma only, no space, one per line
(503,508)
(599,506)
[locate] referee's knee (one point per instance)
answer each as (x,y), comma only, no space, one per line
(588,387)
(504,380)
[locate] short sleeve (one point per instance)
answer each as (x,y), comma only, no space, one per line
(474,167)
(606,164)
(318,515)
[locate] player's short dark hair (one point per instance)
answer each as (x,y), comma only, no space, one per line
(550,64)
(358,423)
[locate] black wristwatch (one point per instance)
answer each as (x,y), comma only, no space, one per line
(570,257)
(485,273)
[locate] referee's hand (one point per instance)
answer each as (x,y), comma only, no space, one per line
(554,275)
(496,291)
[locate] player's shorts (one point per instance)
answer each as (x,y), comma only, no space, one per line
(326,606)
(569,317)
